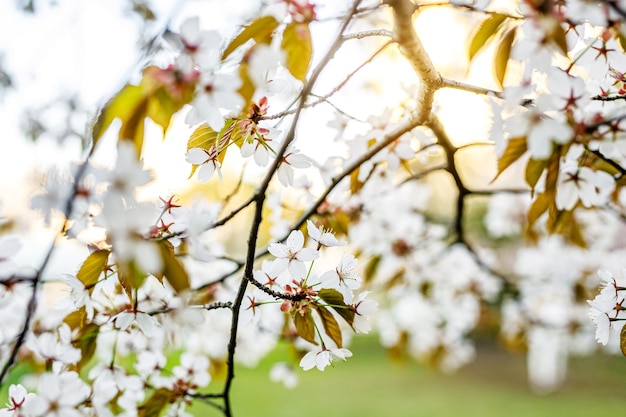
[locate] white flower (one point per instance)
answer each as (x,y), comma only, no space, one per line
(292,159)
(201,47)
(58,347)
(125,228)
(193,370)
(128,173)
(592,188)
(59,396)
(321,236)
(146,323)
(214,92)
(344,278)
(18,397)
(363,308)
(207,161)
(602,321)
(282,372)
(79,296)
(57,191)
(292,255)
(321,359)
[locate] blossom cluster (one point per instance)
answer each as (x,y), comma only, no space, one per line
(168,293)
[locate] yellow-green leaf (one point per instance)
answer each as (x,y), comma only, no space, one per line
(335,299)
(503,53)
(86,342)
(90,271)
(331,327)
(173,269)
(260,30)
(133,127)
(76,319)
(534,169)
(247,89)
(355,184)
(123,105)
(203,137)
(305,326)
(537,208)
(485,32)
(371,268)
(162,107)
(155,404)
(298,47)
(515,148)
(130,277)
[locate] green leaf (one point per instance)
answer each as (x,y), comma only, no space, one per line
(173,269)
(90,271)
(515,148)
(305,326)
(335,299)
(260,30)
(534,169)
(485,32)
(155,404)
(86,342)
(298,47)
(503,53)
(331,327)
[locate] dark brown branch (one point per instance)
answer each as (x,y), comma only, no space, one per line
(612,163)
(450,150)
(609,98)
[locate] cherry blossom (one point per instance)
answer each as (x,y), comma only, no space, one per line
(214,92)
(18,399)
(292,255)
(321,359)
(59,395)
(207,161)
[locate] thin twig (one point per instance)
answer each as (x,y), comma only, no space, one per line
(457,85)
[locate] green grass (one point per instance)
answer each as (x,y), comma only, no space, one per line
(369,384)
